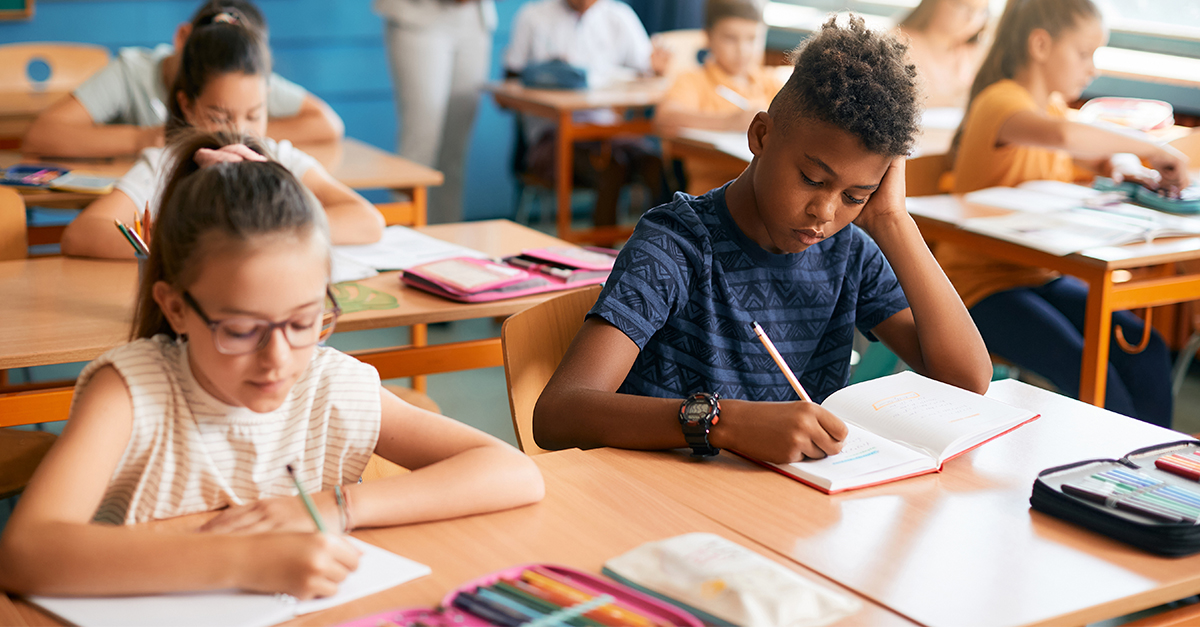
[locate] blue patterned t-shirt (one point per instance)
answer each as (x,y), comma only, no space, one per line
(688,284)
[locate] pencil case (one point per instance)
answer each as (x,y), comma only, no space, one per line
(461,607)
(1149,498)
(469,280)
(1188,202)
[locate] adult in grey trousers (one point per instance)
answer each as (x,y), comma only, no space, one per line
(439,52)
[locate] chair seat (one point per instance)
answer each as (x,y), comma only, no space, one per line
(20,454)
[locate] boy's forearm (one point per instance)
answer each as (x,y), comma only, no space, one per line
(951,348)
(588,418)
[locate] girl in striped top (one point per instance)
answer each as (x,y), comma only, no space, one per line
(223,386)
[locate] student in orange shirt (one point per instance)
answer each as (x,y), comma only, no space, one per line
(1016,130)
(729,90)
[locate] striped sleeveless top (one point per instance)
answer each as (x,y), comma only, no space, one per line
(189,452)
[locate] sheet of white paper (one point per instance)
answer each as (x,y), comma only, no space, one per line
(733,143)
(401,248)
(378,570)
(345,269)
(1020,199)
(1062,232)
(942,118)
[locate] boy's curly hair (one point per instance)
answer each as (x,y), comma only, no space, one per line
(857,80)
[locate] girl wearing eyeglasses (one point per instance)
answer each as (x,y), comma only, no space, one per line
(225,384)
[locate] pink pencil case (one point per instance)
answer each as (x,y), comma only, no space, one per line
(575,257)
(464,279)
(447,615)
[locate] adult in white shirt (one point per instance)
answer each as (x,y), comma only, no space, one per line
(439,52)
(606,38)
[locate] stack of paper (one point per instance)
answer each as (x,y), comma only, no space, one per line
(400,248)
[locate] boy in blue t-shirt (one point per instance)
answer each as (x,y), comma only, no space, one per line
(670,334)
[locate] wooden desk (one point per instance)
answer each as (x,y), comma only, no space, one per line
(18,110)
(588,516)
(559,106)
(357,164)
(957,548)
(1160,285)
(61,310)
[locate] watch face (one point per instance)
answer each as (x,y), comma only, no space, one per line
(695,412)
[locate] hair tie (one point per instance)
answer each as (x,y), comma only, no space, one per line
(227,17)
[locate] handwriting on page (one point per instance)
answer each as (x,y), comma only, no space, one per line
(911,409)
(855,449)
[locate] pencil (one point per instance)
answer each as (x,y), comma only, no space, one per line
(787,372)
(308,504)
(128,237)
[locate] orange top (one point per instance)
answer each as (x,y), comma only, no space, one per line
(696,90)
(980,164)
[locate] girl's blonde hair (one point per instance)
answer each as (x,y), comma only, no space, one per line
(238,201)
(1010,45)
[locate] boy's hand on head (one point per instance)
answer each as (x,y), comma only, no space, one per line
(780,432)
(886,202)
(277,514)
(304,565)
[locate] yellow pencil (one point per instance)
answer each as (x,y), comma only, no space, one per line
(787,372)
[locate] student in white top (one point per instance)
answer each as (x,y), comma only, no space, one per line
(221,84)
(223,387)
(122,109)
(606,38)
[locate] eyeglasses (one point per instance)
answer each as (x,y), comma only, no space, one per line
(238,336)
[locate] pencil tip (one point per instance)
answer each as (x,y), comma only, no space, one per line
(290,469)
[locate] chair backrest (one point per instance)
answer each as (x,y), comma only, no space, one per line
(69,65)
(685,46)
(923,174)
(533,342)
(13,242)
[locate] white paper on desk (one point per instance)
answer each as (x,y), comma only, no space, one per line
(942,118)
(401,248)
(378,569)
(1021,199)
(343,268)
(1062,232)
(732,143)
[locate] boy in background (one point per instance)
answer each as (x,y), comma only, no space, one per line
(670,334)
(605,38)
(731,87)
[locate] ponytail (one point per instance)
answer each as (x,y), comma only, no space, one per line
(222,45)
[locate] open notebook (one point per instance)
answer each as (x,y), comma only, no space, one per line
(378,570)
(901,426)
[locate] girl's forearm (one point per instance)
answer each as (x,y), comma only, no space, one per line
(91,560)
(354,222)
(482,479)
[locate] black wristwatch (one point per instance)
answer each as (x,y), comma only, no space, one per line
(697,415)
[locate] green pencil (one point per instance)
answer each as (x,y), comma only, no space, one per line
(312,509)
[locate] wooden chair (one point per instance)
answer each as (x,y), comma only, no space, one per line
(533,342)
(922,175)
(70,64)
(20,451)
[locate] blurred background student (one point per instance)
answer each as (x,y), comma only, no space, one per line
(439,52)
(945,42)
(123,108)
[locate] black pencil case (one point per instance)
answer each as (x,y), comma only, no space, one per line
(1136,521)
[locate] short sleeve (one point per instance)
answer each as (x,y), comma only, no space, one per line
(141,182)
(516,56)
(284,97)
(637,43)
(650,280)
(295,160)
(686,91)
(105,95)
(879,293)
(995,105)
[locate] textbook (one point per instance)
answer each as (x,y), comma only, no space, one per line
(56,178)
(902,426)
(378,570)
